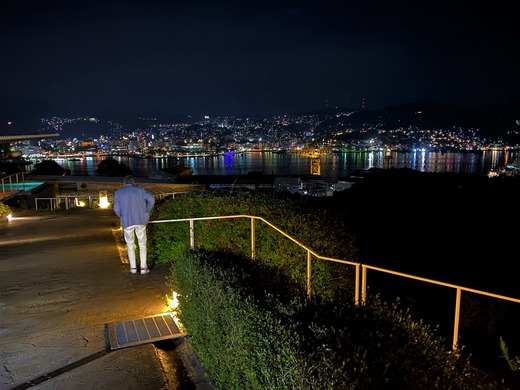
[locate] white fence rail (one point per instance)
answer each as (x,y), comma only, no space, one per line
(8,181)
(76,200)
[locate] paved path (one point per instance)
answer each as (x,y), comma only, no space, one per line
(62,279)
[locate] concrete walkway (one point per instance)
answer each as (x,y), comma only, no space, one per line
(62,279)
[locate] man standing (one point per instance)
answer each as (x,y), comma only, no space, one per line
(133,204)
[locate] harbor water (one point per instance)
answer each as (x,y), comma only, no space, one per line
(332,167)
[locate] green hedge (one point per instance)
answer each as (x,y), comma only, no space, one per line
(251,332)
(314,227)
(5,210)
(254,327)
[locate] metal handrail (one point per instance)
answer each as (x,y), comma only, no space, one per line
(361,277)
(458,289)
(10,184)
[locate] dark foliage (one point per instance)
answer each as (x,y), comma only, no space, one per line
(251,332)
(9,168)
(112,167)
(49,167)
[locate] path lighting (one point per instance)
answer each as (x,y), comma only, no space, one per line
(79,203)
(172,307)
(9,216)
(103,200)
(172,302)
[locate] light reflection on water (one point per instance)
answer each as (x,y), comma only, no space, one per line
(332,167)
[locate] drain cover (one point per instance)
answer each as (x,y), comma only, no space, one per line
(142,331)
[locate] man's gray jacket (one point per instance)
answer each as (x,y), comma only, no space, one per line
(133,205)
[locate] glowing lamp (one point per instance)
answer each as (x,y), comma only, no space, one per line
(172,302)
(103,200)
(79,203)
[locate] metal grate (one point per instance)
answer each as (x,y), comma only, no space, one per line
(142,331)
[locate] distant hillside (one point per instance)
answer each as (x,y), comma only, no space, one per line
(497,121)
(491,121)
(23,116)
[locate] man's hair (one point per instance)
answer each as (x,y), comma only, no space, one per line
(128,180)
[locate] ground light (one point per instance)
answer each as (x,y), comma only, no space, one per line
(103,200)
(172,303)
(79,203)
(172,307)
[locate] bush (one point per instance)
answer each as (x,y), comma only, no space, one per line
(5,210)
(251,334)
(324,233)
(329,341)
(112,167)
(49,167)
(9,168)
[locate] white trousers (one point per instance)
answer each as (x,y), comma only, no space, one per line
(130,233)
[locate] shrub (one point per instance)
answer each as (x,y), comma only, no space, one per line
(5,210)
(49,167)
(513,362)
(324,233)
(112,167)
(329,342)
(250,333)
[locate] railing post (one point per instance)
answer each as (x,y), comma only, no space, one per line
(253,232)
(356,293)
(456,321)
(192,235)
(363,285)
(309,272)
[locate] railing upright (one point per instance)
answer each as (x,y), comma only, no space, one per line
(457,319)
(363,285)
(309,272)
(253,232)
(192,234)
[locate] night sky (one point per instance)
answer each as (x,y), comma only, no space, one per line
(255,58)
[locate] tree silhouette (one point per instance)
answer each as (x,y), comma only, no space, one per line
(49,167)
(112,167)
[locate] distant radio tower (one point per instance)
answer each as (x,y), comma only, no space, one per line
(363,103)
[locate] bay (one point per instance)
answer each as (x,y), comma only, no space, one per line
(332,167)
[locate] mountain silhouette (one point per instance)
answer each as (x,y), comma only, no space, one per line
(24,116)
